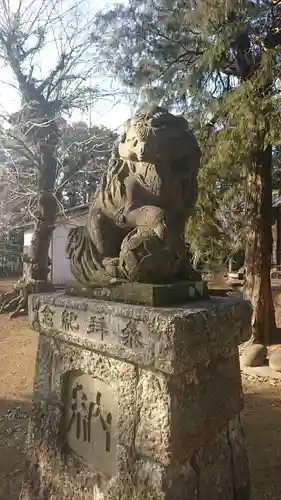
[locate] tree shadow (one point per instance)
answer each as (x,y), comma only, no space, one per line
(14,418)
(262,425)
(276,337)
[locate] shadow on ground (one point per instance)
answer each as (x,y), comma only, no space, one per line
(262,424)
(14,417)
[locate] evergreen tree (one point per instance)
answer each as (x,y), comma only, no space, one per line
(219,59)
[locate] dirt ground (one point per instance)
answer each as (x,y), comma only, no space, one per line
(262,416)
(17,360)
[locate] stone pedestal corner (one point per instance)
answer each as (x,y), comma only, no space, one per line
(134,402)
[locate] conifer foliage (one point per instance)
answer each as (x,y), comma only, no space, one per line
(218,61)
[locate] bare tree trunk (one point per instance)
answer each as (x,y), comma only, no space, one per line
(47,205)
(41,238)
(35,276)
(259,248)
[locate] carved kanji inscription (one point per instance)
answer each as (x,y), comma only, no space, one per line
(91,421)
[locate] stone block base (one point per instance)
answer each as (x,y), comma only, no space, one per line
(134,403)
(142,293)
(218,470)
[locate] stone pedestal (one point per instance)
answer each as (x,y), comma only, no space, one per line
(136,403)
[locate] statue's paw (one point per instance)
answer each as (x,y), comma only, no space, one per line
(111,267)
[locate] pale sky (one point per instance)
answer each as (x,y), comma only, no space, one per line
(112,112)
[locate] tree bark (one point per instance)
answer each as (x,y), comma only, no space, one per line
(259,248)
(47,206)
(43,230)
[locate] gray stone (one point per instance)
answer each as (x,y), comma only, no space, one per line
(213,461)
(142,293)
(254,355)
(239,460)
(135,403)
(92,436)
(136,223)
(169,339)
(275,361)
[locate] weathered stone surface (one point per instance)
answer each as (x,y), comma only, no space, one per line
(137,218)
(214,469)
(254,355)
(91,421)
(142,293)
(275,361)
(144,406)
(171,340)
(239,460)
(205,399)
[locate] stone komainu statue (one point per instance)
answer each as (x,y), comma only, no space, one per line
(136,223)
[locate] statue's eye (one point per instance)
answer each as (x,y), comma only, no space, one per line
(135,142)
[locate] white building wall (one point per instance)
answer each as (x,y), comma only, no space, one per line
(27,237)
(60,268)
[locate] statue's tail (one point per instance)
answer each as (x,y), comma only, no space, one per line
(81,252)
